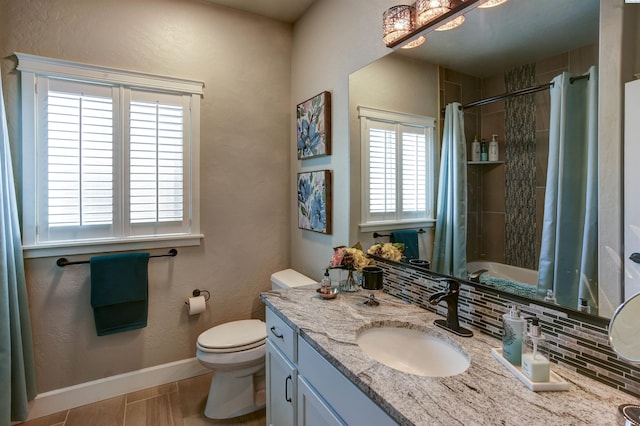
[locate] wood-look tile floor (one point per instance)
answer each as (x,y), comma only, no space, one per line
(174,404)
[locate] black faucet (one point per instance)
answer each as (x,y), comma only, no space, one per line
(450,295)
(475,276)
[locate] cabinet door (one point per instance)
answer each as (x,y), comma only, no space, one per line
(281,377)
(352,405)
(312,410)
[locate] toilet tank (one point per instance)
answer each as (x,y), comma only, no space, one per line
(289,278)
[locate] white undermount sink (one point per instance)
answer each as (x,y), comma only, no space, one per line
(420,352)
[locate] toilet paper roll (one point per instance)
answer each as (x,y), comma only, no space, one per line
(196,305)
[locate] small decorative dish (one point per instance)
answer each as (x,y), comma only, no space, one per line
(333,293)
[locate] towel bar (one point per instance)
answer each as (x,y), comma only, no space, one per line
(376,235)
(64,262)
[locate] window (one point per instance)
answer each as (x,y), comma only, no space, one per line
(109,156)
(398,168)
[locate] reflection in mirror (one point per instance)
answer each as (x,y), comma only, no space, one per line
(623,329)
(510,202)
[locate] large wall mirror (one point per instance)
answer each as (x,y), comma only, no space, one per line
(518,45)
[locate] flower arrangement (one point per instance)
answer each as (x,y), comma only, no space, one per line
(391,251)
(351,258)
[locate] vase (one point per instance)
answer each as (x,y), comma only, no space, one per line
(349,285)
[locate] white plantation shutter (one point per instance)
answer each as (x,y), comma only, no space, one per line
(77,167)
(414,171)
(382,169)
(115,158)
(398,167)
(156,162)
(80,147)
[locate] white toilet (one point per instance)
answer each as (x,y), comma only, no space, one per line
(235,351)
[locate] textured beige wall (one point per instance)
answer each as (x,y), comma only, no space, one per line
(401,84)
(245,62)
(333,39)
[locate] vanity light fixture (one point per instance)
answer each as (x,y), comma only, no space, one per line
(454,23)
(428,10)
(415,43)
(397,22)
(406,25)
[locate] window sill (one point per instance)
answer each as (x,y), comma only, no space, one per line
(102,246)
(393,225)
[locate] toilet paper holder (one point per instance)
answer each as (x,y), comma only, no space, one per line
(197,293)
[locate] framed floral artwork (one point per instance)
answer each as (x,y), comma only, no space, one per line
(314,201)
(314,126)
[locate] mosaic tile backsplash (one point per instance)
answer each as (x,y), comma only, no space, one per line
(520,173)
(575,343)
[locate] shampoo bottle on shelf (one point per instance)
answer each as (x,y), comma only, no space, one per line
(484,155)
(535,363)
(514,328)
(475,150)
(493,148)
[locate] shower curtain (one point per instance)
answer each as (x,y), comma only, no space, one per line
(569,256)
(450,245)
(17,371)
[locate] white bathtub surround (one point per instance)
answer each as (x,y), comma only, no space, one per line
(512,279)
(486,393)
(507,272)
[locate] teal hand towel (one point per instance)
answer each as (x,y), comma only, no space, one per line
(409,238)
(119,292)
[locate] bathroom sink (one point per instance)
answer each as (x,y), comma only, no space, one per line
(421,352)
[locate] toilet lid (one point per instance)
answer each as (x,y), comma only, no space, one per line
(234,335)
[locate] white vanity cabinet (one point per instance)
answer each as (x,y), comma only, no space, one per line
(304,389)
(312,409)
(351,404)
(281,372)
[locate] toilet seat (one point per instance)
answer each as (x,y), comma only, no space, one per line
(233,336)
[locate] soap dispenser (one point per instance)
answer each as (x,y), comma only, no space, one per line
(514,328)
(493,148)
(535,361)
(325,284)
(484,155)
(475,150)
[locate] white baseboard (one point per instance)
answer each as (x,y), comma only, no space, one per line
(109,387)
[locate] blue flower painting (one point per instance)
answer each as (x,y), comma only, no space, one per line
(314,126)
(314,201)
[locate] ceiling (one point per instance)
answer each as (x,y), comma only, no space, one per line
(490,40)
(512,34)
(281,10)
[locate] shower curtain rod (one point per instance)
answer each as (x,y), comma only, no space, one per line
(520,92)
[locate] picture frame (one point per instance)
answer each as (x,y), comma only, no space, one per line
(314,126)
(314,201)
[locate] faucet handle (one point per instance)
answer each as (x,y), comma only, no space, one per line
(452,285)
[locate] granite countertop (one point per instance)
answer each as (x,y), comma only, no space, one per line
(486,394)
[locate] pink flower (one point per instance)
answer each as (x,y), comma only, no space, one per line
(338,256)
(352,258)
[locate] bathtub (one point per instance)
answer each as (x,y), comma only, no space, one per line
(506,277)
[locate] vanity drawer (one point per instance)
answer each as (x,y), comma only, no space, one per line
(282,335)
